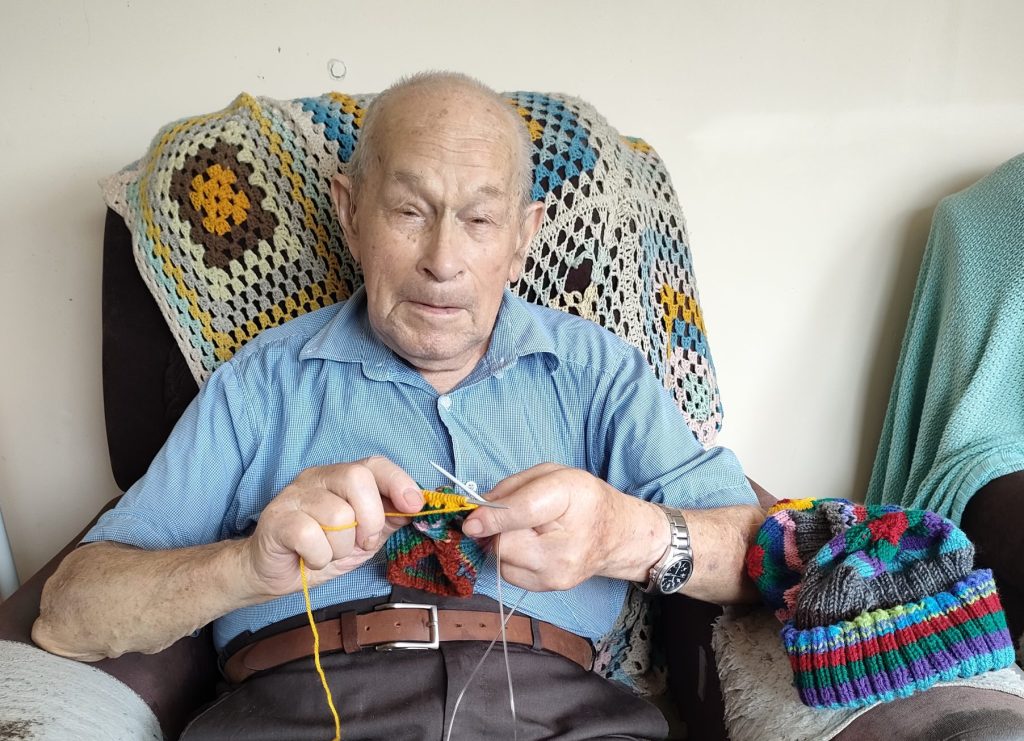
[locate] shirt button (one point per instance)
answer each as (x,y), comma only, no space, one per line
(445,401)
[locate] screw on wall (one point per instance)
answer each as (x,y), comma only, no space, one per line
(337,69)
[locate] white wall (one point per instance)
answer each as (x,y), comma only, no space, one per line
(809,142)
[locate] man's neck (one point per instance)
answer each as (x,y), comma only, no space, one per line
(445,380)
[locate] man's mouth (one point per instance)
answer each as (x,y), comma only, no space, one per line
(437,309)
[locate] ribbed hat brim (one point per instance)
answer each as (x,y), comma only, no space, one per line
(888,653)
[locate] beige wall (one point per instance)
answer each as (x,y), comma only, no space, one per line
(809,142)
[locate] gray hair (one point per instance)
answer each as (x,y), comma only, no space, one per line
(365,151)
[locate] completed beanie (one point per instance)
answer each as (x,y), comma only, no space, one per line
(793,532)
(883,601)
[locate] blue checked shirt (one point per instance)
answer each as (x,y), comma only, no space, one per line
(323,389)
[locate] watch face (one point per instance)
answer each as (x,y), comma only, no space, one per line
(675,575)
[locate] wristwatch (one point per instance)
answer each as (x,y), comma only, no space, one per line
(674,568)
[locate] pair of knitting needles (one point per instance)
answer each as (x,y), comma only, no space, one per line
(475,498)
(470,489)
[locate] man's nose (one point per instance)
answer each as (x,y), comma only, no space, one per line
(443,257)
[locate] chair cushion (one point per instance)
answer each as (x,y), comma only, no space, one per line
(233,231)
(761,701)
(43,696)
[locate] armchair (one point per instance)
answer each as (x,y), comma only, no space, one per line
(153,354)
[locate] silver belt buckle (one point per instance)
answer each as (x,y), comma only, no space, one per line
(435,633)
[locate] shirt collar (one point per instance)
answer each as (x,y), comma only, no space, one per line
(348,338)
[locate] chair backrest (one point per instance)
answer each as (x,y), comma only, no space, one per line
(227,223)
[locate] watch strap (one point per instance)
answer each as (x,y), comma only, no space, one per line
(678,547)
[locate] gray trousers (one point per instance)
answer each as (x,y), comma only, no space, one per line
(412,695)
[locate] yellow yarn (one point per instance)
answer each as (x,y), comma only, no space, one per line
(316,651)
(794,504)
(440,502)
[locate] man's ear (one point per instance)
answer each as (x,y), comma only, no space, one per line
(343,197)
(533,216)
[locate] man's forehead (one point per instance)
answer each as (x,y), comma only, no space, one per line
(434,105)
(415,181)
(452,120)
(447,136)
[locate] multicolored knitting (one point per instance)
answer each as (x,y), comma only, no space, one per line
(793,532)
(886,607)
(432,554)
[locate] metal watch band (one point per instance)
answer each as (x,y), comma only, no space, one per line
(679,549)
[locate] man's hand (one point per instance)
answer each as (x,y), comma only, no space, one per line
(564,525)
(292,525)
(165,594)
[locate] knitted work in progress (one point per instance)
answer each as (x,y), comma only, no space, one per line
(437,504)
(886,607)
(432,554)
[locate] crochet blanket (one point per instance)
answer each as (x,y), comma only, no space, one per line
(48,698)
(956,413)
(233,231)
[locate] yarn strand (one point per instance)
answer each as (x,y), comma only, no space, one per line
(441,503)
(504,644)
(316,651)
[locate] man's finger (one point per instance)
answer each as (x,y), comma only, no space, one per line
(531,506)
(519,577)
(369,486)
(518,480)
(356,485)
(521,549)
(395,484)
(335,517)
(299,533)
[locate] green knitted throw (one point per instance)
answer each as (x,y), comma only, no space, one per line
(956,414)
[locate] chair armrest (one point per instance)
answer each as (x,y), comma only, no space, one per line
(764,498)
(174,682)
(940,713)
(992,520)
(685,630)
(19,611)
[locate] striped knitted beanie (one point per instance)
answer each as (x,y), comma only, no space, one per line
(887,606)
(793,532)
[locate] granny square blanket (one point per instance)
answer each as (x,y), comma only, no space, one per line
(234,231)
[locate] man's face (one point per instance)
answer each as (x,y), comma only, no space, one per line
(438,229)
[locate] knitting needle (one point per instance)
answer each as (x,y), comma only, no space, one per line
(470,490)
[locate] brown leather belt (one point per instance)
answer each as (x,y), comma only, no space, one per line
(399,626)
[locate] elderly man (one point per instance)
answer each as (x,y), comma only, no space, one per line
(333,418)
